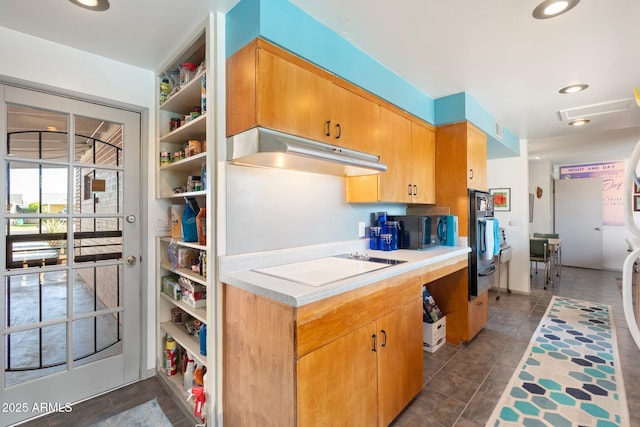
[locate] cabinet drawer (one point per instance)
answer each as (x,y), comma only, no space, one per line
(324,321)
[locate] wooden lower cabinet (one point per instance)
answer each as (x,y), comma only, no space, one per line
(464,318)
(351,359)
(478,313)
(340,384)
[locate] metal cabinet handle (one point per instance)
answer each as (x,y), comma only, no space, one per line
(409,189)
(339,134)
(384,338)
(373,339)
(415,190)
(471,175)
(327,128)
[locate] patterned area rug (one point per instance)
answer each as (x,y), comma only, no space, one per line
(148,414)
(570,374)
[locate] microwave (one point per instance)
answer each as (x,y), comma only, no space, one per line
(424,231)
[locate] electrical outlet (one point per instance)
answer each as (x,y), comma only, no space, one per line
(361,227)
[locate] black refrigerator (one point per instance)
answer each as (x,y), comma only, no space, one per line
(482,228)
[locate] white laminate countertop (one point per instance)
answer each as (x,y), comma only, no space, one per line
(240,270)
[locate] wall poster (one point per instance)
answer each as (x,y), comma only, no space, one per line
(612,174)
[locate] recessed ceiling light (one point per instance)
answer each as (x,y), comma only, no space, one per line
(97,5)
(579,122)
(573,88)
(550,8)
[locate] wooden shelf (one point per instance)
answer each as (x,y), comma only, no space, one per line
(186,164)
(195,129)
(190,342)
(182,101)
(198,313)
(202,193)
(183,243)
(185,272)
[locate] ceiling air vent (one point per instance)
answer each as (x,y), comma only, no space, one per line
(597,109)
(499,132)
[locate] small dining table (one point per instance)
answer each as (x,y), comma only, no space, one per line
(555,247)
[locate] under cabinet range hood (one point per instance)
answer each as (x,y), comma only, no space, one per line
(268,148)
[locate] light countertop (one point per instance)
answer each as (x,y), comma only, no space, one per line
(240,270)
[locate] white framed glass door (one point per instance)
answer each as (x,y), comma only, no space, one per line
(71,326)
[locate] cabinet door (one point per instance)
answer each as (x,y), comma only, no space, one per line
(292,99)
(395,151)
(476,158)
(355,121)
(423,167)
(400,359)
(478,314)
(337,383)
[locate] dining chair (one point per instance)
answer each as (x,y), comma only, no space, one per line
(539,252)
(556,248)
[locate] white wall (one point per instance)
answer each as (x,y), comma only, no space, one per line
(41,64)
(273,209)
(614,247)
(540,175)
(513,173)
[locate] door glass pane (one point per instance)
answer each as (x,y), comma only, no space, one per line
(36,242)
(97,337)
(35,353)
(97,239)
(97,288)
(35,297)
(36,188)
(98,142)
(37,133)
(98,190)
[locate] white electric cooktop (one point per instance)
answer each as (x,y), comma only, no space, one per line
(322,271)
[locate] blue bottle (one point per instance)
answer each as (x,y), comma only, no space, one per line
(203,339)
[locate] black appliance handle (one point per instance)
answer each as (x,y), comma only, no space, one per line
(442,229)
(492,270)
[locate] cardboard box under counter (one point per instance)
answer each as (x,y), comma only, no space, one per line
(434,335)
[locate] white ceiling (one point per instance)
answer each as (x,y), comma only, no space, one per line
(511,64)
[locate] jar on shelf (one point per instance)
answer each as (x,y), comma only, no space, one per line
(187,73)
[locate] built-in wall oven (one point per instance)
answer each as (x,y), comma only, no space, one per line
(483,240)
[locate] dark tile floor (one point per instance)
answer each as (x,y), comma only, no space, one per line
(463,384)
(102,407)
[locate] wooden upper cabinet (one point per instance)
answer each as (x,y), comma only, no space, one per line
(269,87)
(355,121)
(461,163)
(423,164)
(292,99)
(395,151)
(408,149)
(476,158)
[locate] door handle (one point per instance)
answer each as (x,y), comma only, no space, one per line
(598,228)
(328,128)
(131,260)
(339,131)
(415,190)
(373,339)
(384,338)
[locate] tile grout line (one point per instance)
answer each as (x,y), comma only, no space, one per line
(497,359)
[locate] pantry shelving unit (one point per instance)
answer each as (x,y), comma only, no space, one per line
(199,49)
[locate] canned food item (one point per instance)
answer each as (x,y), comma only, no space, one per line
(165,158)
(174,123)
(177,156)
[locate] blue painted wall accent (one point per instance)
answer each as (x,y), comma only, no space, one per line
(284,24)
(461,106)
